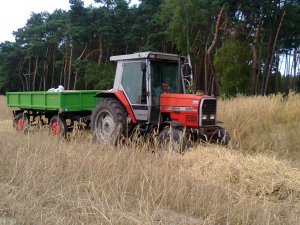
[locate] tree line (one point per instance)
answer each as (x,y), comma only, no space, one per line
(249,46)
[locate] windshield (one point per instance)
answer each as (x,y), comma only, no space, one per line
(165,77)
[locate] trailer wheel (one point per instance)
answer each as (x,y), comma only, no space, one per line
(172,140)
(21,123)
(58,126)
(109,121)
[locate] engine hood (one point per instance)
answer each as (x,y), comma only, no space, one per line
(181,100)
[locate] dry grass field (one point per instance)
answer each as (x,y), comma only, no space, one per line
(255,181)
(264,125)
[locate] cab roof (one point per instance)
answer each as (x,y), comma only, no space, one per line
(146,55)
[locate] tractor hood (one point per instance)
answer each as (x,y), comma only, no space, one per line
(188,109)
(183,102)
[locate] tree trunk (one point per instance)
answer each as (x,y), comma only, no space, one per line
(206,67)
(35,72)
(254,59)
(253,69)
(62,72)
(41,83)
(28,75)
(213,86)
(267,62)
(53,66)
(46,75)
(259,67)
(273,53)
(70,68)
(20,76)
(83,51)
(277,74)
(209,53)
(199,61)
(100,49)
(206,75)
(46,65)
(75,79)
(76,71)
(295,69)
(65,66)
(107,53)
(85,84)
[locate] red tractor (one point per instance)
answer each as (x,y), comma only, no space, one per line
(149,96)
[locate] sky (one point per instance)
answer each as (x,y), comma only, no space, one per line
(14,13)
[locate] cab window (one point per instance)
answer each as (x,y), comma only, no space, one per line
(133,82)
(164,78)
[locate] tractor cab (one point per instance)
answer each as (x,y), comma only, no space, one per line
(143,77)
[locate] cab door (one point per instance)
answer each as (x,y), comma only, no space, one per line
(134,83)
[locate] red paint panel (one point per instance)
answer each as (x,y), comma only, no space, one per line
(122,98)
(183,108)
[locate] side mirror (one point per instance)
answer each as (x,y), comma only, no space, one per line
(143,67)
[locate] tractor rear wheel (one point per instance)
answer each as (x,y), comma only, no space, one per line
(21,123)
(58,127)
(109,121)
(172,140)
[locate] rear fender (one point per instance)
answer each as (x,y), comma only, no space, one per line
(122,98)
(170,124)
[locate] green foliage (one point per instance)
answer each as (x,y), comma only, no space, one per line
(43,45)
(11,55)
(148,26)
(100,77)
(187,20)
(3,82)
(232,66)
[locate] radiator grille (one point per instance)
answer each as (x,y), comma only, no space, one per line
(209,107)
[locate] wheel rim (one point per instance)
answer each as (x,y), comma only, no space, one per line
(55,128)
(20,124)
(105,125)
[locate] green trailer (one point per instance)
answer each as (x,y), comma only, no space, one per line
(59,110)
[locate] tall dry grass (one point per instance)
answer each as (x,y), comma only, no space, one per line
(263,124)
(5,112)
(45,181)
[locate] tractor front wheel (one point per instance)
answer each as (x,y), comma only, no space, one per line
(221,137)
(172,140)
(109,121)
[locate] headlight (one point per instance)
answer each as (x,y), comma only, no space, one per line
(204,117)
(212,117)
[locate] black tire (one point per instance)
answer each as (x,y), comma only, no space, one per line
(221,137)
(21,123)
(172,140)
(109,121)
(225,137)
(58,127)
